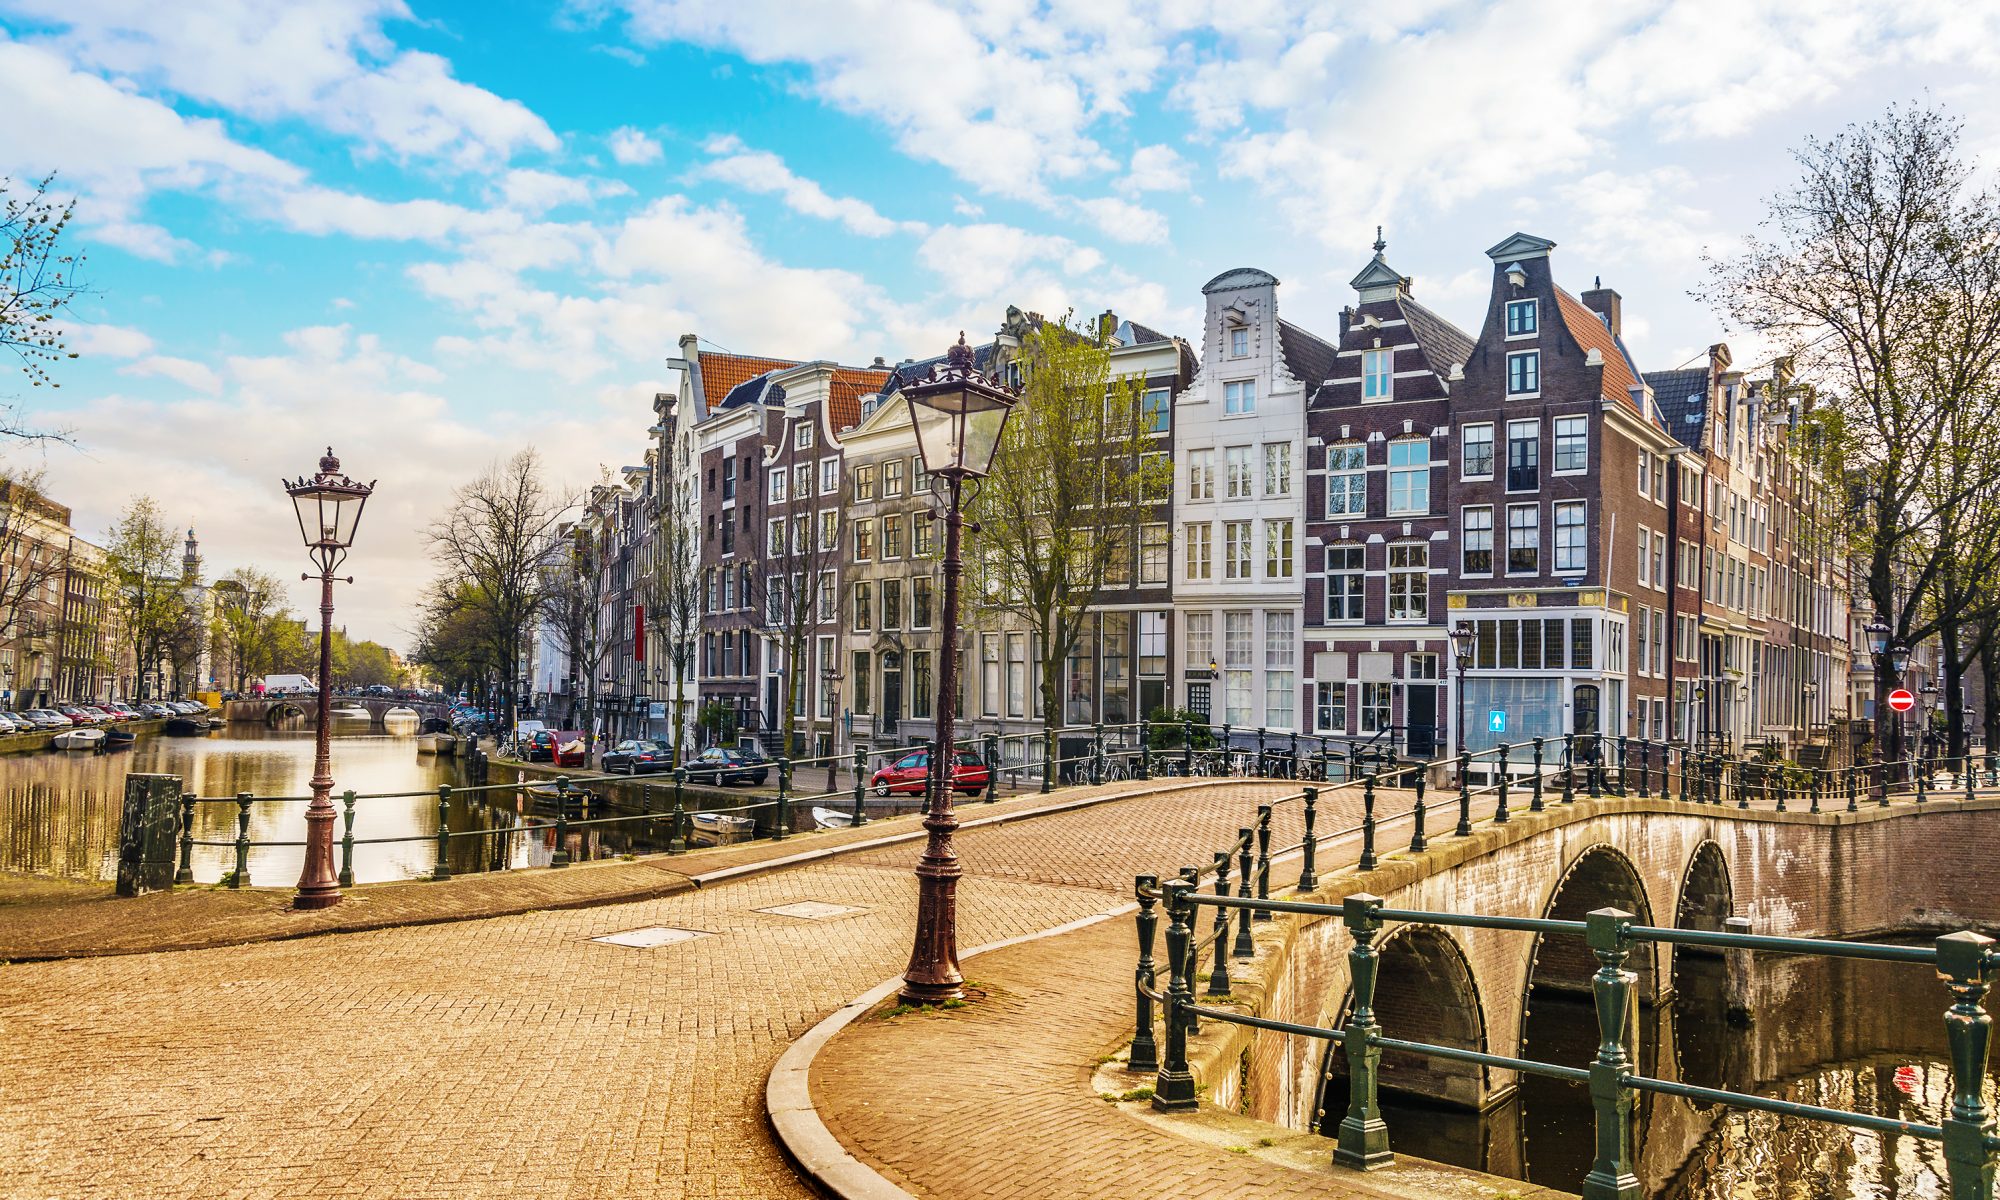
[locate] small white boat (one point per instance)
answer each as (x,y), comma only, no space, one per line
(720,829)
(832,818)
(427,743)
(78,739)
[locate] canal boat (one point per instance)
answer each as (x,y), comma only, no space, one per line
(119,739)
(78,739)
(547,795)
(832,818)
(721,829)
(187,727)
(435,743)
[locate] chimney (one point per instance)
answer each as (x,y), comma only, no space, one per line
(878,364)
(1719,358)
(1107,326)
(1605,303)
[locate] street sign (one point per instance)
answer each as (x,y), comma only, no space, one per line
(1496,720)
(1901,700)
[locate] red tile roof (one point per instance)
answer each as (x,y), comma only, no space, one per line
(1591,333)
(722,372)
(844,395)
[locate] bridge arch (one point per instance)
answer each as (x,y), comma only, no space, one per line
(1425,992)
(1598,876)
(1706,897)
(282,710)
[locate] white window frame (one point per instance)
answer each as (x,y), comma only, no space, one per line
(1347,475)
(1239,397)
(1239,341)
(1465,532)
(1555,463)
(1413,476)
(1378,375)
(1534,359)
(1200,558)
(1582,528)
(1201,475)
(1464,440)
(1535,544)
(1280,549)
(1534,323)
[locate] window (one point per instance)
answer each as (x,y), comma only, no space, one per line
(802,480)
(1236,466)
(1524,456)
(1645,473)
(1239,342)
(892,537)
(1017,674)
(1343,583)
(829,476)
(1201,475)
(1236,549)
(1644,636)
(728,479)
(1660,561)
(1409,581)
(864,540)
(1375,710)
(1278,549)
(1277,468)
(1280,654)
(892,479)
(1520,318)
(729,537)
(802,436)
(826,596)
(1346,481)
(829,529)
(1377,373)
(1239,397)
(1476,540)
(1153,554)
(1330,707)
(1410,476)
(923,536)
(1199,547)
(989,674)
(864,606)
(1571,551)
(1237,652)
(923,685)
(892,604)
(774,538)
(1476,452)
(920,480)
(1573,445)
(1524,539)
(1200,631)
(1659,642)
(864,483)
(1524,373)
(920,602)
(775,489)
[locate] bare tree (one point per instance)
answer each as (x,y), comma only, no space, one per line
(799,592)
(573,579)
(33,555)
(670,580)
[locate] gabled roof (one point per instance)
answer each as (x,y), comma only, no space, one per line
(1443,342)
(1376,274)
(762,389)
(1521,245)
(1682,397)
(844,393)
(721,374)
(1590,332)
(1239,277)
(1309,357)
(911,370)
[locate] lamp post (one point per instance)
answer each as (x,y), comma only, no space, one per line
(829,692)
(958,414)
(328,506)
(1899,662)
(1462,639)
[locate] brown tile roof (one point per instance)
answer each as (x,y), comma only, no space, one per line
(1591,333)
(722,372)
(844,395)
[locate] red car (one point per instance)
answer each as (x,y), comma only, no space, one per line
(906,774)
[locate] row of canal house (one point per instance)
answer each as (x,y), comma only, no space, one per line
(1637,553)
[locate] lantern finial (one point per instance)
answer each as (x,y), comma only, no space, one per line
(960,356)
(328,464)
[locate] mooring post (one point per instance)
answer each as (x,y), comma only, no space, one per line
(1363,1140)
(561,856)
(1569,768)
(241,878)
(1611,1176)
(781,826)
(1417,840)
(1173,1087)
(860,765)
(1145,1054)
(1535,803)
(1464,794)
(1367,862)
(186,872)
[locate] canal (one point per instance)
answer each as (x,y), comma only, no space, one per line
(59,811)
(1863,1036)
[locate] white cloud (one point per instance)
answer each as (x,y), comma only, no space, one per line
(111,341)
(186,372)
(633,148)
(1157,169)
(1123,220)
(765,173)
(1002,264)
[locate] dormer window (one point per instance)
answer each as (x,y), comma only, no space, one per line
(803,436)
(1520,318)
(1239,342)
(1524,373)
(1377,374)
(1239,396)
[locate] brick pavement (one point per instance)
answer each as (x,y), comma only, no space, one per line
(509,1056)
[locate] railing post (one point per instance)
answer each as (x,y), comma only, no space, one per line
(1992,769)
(1191,965)
(1048,761)
(1596,772)
(1097,753)
(347,839)
(1969,776)
(561,856)
(677,836)
(1187,749)
(1218,977)
(785,795)
(860,765)
(1368,861)
(1145,1052)
(1363,1138)
(1244,947)
(1535,802)
(1464,794)
(1500,815)
(992,746)
(1780,788)
(241,879)
(1417,840)
(1923,781)
(185,874)
(1228,755)
(1611,1175)
(1853,790)
(1173,1087)
(1818,785)
(1965,962)
(1569,768)
(1624,758)
(1294,768)
(1645,769)
(1308,877)
(442,869)
(1263,859)
(1145,750)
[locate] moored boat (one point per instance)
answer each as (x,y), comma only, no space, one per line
(720,829)
(547,795)
(118,739)
(187,726)
(78,739)
(832,818)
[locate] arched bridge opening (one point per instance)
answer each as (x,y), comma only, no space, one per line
(1424,993)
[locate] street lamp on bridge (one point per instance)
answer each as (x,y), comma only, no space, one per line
(958,414)
(1462,639)
(328,506)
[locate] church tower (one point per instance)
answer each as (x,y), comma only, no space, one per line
(190,560)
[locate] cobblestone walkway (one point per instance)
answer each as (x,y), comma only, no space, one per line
(513,1056)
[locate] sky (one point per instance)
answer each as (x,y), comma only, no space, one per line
(430,233)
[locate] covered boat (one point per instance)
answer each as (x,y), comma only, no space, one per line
(832,818)
(78,739)
(720,829)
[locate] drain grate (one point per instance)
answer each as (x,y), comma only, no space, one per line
(652,935)
(812,910)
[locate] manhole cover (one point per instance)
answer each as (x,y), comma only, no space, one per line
(811,910)
(654,935)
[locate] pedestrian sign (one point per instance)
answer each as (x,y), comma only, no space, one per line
(1496,720)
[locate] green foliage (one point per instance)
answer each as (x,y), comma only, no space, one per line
(719,717)
(1167,729)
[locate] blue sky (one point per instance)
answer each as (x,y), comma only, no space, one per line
(432,233)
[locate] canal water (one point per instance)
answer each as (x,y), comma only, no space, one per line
(59,811)
(1862,1036)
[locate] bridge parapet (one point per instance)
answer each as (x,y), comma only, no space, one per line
(269,709)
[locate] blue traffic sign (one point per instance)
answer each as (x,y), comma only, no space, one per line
(1496,720)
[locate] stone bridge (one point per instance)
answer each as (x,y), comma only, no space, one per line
(273,709)
(1906,869)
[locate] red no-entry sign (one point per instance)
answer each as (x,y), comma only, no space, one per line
(1902,700)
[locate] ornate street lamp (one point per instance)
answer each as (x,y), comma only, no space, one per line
(329,508)
(1878,635)
(1462,639)
(958,414)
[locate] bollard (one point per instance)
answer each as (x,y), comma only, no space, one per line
(1263,858)
(1853,792)
(1817,784)
(1569,768)
(442,870)
(1308,878)
(1781,789)
(860,764)
(561,857)
(1263,763)
(241,879)
(1739,970)
(1595,772)
(1048,761)
(1363,1140)
(1965,963)
(1218,978)
(677,836)
(1464,794)
(1244,948)
(1992,769)
(1535,803)
(1228,746)
(1145,1054)
(1611,1175)
(1367,862)
(1968,776)
(785,799)
(186,872)
(1500,816)
(1417,840)
(1145,751)
(1173,1087)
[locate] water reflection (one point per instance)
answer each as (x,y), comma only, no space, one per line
(1866,1037)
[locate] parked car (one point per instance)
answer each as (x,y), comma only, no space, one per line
(540,746)
(720,764)
(97,715)
(906,774)
(122,712)
(154,712)
(569,748)
(49,718)
(8,724)
(78,716)
(632,757)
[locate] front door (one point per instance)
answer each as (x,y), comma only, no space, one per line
(1584,720)
(892,690)
(1420,714)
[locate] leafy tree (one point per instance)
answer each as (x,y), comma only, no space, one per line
(573,605)
(249,623)
(144,585)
